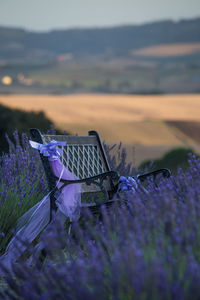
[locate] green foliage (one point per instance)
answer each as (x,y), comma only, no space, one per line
(175,158)
(22,185)
(12,209)
(11,119)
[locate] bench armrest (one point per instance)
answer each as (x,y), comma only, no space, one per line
(165,172)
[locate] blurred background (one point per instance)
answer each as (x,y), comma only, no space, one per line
(128,69)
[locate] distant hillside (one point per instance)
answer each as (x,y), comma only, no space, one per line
(22,44)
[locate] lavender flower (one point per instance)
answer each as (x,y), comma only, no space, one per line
(146,249)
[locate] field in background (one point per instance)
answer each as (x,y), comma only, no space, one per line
(167,50)
(158,69)
(148,126)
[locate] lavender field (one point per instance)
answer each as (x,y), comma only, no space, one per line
(148,249)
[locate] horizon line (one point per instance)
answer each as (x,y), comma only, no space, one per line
(80,27)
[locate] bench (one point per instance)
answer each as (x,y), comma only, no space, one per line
(85,157)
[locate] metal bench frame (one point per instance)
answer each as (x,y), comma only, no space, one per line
(85,151)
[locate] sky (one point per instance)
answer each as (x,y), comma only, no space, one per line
(45,15)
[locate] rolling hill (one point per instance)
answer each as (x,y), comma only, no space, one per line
(148,126)
(113,41)
(154,58)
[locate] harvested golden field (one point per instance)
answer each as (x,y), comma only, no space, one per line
(138,121)
(177,49)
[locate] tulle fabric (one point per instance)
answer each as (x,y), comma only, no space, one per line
(69,200)
(30,225)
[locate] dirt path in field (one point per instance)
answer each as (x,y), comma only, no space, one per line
(141,123)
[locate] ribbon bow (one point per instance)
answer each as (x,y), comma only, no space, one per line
(50,150)
(127,184)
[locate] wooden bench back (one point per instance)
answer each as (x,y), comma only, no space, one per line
(84,156)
